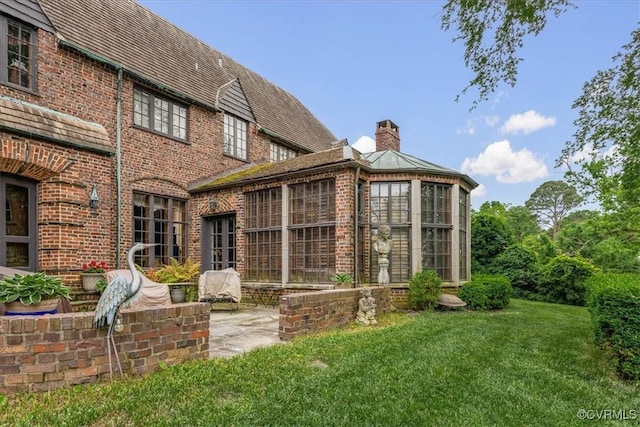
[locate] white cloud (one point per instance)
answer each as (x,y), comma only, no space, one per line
(491,121)
(479,191)
(508,166)
(526,123)
(471,126)
(365,144)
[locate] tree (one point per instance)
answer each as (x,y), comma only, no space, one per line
(508,21)
(551,202)
(604,156)
(489,238)
(521,222)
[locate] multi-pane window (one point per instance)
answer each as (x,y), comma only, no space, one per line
(464,205)
(158,114)
(18,48)
(163,221)
(312,231)
(263,235)
(436,228)
(280,152)
(235,137)
(390,203)
(18,228)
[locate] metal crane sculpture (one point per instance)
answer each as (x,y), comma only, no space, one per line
(119,293)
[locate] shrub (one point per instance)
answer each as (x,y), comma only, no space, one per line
(424,289)
(614,305)
(487,292)
(521,267)
(564,278)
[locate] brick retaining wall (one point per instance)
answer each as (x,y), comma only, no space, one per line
(310,312)
(40,353)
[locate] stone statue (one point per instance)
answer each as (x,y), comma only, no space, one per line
(382,245)
(366,308)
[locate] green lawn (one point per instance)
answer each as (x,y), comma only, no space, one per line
(531,364)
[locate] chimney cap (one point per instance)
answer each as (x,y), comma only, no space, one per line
(387,124)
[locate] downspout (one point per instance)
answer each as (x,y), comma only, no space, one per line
(355,231)
(118,166)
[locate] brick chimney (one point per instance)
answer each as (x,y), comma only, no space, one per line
(387,136)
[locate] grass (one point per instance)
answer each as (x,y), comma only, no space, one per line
(529,364)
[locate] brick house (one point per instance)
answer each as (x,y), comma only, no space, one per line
(302,220)
(118,127)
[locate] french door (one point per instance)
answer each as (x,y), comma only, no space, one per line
(18,232)
(219,242)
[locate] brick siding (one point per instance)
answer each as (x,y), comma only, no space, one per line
(311,312)
(49,352)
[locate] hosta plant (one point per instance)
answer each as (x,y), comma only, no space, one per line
(31,288)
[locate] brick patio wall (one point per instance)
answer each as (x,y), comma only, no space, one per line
(311,312)
(39,353)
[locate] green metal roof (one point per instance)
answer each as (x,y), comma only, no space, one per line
(393,161)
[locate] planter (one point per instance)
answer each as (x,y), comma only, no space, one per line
(178,294)
(90,280)
(47,306)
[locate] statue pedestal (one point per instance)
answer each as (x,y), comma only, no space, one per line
(383,274)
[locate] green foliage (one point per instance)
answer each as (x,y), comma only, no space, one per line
(521,223)
(614,304)
(486,292)
(342,279)
(175,272)
(31,288)
(520,266)
(495,61)
(551,203)
(542,246)
(607,131)
(528,363)
(101,285)
(564,279)
(424,289)
(489,238)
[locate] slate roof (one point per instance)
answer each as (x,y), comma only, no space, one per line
(334,157)
(30,119)
(395,161)
(127,34)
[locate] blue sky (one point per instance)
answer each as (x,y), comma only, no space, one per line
(354,63)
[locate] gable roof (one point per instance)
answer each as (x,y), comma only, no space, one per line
(395,161)
(126,34)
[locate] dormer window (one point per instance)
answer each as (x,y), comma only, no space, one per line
(235,137)
(18,47)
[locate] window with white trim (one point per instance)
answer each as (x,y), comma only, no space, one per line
(18,47)
(235,137)
(159,114)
